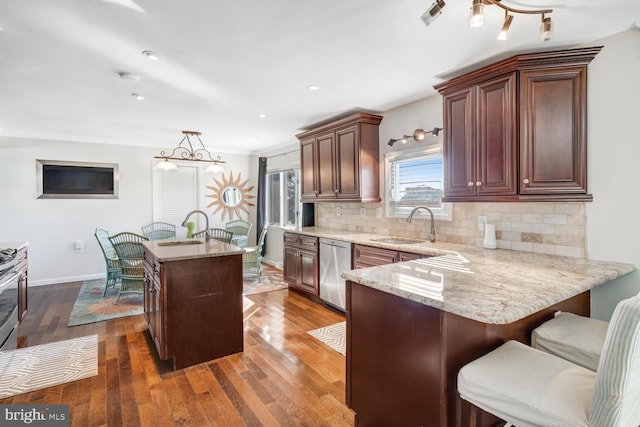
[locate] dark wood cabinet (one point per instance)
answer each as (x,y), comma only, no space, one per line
(193,307)
(516,129)
(22,265)
(340,160)
(481,142)
(368,256)
(553,143)
(301,269)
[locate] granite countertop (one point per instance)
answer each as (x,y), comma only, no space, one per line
(174,250)
(493,286)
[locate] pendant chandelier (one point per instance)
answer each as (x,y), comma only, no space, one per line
(186,150)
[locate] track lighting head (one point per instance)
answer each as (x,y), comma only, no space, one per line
(546,29)
(433,12)
(505,27)
(476,16)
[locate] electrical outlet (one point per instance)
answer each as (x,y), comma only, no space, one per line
(363,211)
(378,212)
(338,211)
(482,220)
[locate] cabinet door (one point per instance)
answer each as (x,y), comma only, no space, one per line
(308,165)
(553,131)
(308,271)
(326,168)
(290,265)
(496,136)
(347,162)
(458,148)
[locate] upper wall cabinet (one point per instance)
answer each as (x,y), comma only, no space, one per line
(340,160)
(516,129)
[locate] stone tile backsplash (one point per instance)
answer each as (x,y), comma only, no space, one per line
(556,228)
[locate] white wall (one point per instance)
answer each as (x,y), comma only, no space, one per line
(53,225)
(613,219)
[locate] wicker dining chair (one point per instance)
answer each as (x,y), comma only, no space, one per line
(128,247)
(216,233)
(110,257)
(159,231)
(252,257)
(240,229)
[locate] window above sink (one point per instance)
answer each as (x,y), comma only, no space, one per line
(415,178)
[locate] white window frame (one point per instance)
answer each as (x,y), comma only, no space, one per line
(282,200)
(434,150)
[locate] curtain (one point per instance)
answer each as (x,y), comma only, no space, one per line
(261,209)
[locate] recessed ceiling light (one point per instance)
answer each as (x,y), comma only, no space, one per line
(150,54)
(138,96)
(313,87)
(126,75)
(262,116)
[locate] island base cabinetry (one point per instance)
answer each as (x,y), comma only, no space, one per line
(403,357)
(193,307)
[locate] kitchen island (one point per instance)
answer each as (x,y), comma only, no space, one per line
(412,325)
(193,299)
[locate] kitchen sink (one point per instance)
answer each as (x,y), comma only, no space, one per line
(181,242)
(397,240)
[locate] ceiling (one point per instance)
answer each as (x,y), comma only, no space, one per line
(223,63)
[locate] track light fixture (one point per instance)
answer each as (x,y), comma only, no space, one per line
(433,12)
(418,135)
(476,17)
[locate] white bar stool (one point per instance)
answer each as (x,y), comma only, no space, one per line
(577,339)
(529,388)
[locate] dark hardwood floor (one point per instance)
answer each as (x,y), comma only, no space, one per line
(283,377)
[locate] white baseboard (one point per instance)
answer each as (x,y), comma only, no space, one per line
(55,281)
(272,263)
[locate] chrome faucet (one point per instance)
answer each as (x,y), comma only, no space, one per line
(432,234)
(206,219)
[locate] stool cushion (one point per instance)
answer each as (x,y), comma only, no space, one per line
(541,389)
(577,339)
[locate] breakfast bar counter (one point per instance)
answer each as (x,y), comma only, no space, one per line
(412,325)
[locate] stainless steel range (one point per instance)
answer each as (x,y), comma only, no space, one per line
(9,278)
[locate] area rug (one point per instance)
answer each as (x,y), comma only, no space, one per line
(92,307)
(333,335)
(47,365)
(270,280)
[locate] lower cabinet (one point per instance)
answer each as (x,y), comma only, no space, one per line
(369,256)
(153,299)
(301,268)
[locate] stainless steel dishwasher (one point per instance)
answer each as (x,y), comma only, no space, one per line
(335,257)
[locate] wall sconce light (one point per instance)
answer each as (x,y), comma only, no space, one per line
(476,17)
(433,12)
(186,151)
(418,135)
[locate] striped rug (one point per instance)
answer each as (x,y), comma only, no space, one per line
(47,365)
(333,335)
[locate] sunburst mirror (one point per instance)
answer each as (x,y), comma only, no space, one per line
(230,196)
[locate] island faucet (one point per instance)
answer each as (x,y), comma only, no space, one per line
(206,219)
(432,233)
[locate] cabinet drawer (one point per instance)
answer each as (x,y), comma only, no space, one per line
(308,243)
(369,256)
(291,239)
